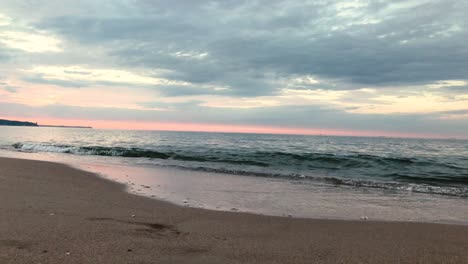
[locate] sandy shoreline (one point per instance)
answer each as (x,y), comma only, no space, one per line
(51,213)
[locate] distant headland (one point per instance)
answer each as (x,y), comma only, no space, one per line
(4,122)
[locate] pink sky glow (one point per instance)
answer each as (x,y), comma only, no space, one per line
(200,127)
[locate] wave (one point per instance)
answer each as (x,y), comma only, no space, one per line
(389,173)
(126,152)
(94,150)
(349,160)
(259,158)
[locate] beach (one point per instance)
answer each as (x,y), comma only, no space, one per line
(52,213)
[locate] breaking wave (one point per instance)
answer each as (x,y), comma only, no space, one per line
(357,170)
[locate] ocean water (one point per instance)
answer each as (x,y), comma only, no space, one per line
(371,170)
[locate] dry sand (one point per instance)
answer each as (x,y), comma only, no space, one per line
(51,213)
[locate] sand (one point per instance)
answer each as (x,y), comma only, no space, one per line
(51,213)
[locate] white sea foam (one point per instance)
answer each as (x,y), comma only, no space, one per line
(30,147)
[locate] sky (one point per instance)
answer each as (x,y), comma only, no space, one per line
(372,68)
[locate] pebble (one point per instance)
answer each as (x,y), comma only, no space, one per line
(133,215)
(364,218)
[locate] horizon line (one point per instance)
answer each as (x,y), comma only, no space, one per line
(223,128)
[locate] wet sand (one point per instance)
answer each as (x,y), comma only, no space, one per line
(51,213)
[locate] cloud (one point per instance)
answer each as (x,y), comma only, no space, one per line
(25,38)
(357,64)
(289,117)
(255,43)
(77,76)
(4,20)
(457,89)
(180,106)
(11,89)
(459,115)
(29,42)
(3,56)
(40,79)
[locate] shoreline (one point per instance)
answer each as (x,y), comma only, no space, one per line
(274,197)
(52,213)
(147,192)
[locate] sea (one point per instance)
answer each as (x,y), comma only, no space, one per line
(324,177)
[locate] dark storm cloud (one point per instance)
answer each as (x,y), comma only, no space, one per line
(251,44)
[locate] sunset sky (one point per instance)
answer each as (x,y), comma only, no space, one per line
(389,68)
